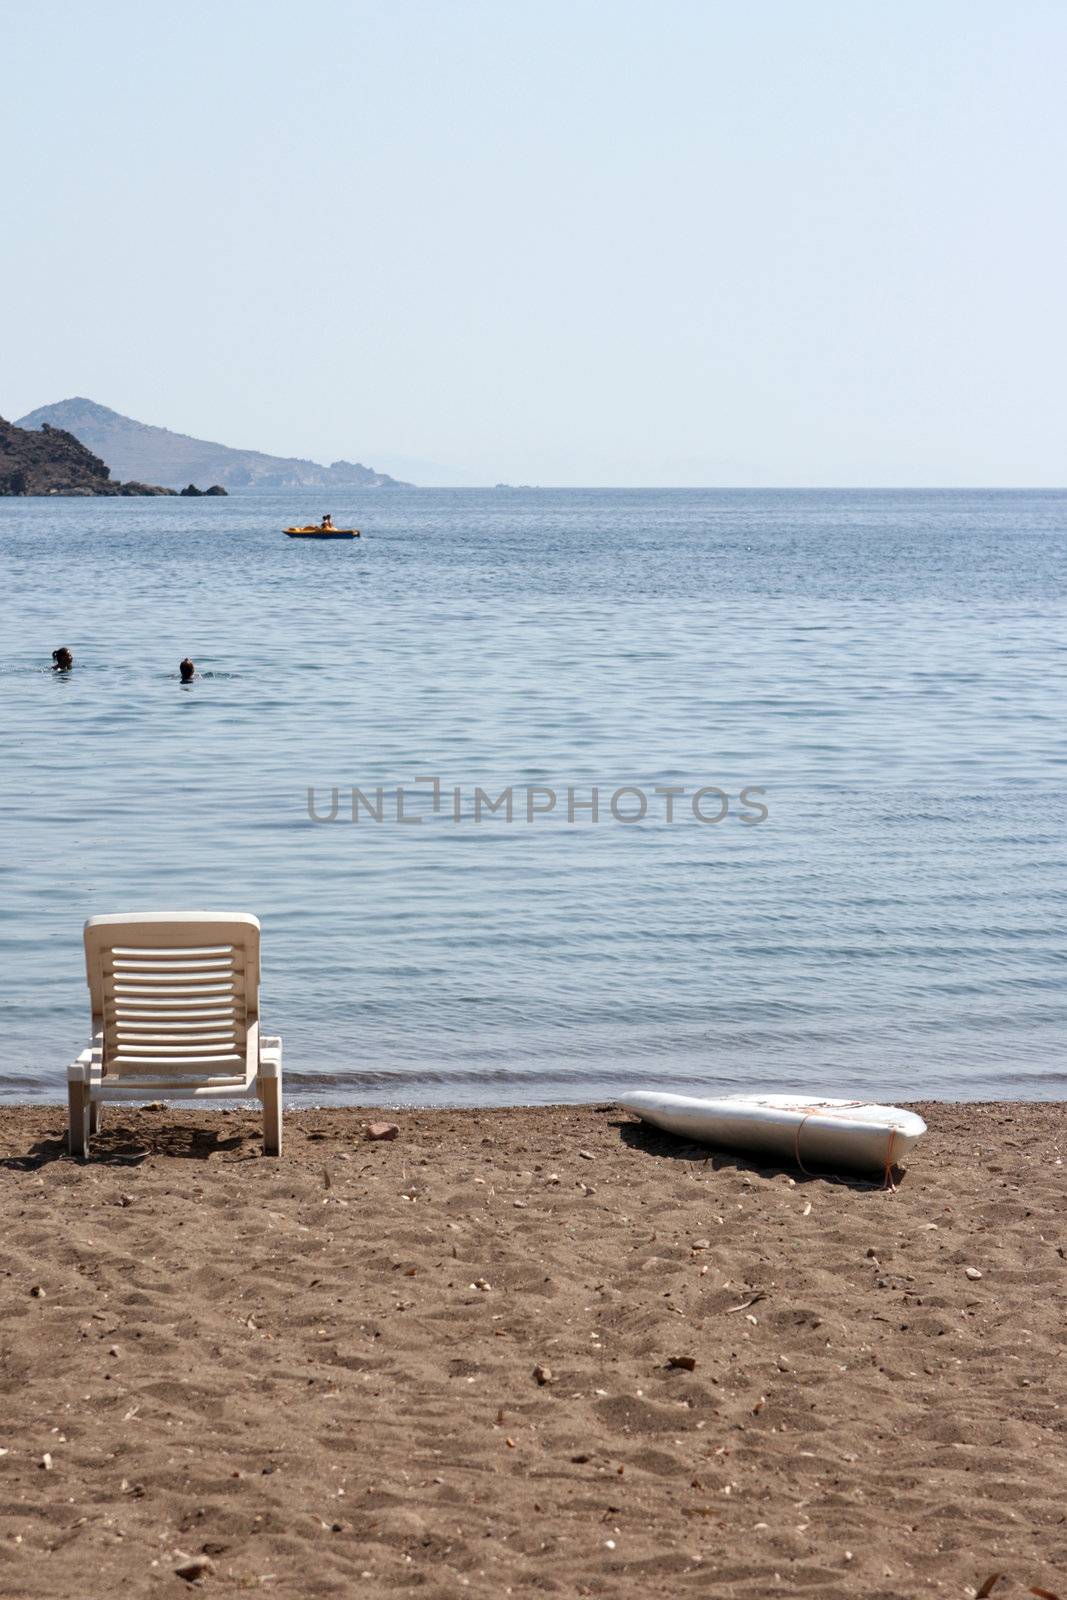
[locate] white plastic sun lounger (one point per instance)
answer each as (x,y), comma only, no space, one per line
(175,1009)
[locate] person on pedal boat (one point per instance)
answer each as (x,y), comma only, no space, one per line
(327,523)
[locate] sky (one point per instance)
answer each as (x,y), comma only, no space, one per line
(582,242)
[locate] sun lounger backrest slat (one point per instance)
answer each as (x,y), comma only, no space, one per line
(174,993)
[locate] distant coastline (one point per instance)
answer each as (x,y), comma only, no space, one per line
(143,452)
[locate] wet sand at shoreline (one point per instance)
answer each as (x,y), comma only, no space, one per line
(527,1351)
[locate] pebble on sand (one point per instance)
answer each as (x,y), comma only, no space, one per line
(193,1567)
(682,1363)
(382,1130)
(974,1274)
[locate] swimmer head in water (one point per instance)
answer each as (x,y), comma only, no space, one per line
(62,660)
(187,670)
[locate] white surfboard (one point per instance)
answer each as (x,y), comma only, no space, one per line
(819,1133)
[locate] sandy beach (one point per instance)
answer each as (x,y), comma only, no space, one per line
(528,1351)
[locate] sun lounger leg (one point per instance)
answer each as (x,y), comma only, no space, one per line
(96,1116)
(78,1131)
(272,1117)
(270,1093)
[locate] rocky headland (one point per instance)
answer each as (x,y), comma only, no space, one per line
(52,461)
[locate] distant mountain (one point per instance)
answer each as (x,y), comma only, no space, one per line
(51,461)
(137,450)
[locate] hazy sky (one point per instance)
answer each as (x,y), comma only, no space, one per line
(621,242)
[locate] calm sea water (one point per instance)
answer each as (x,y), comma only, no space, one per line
(888,667)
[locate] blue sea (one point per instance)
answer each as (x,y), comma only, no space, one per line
(882,674)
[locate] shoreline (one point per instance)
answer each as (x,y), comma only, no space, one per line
(301,1102)
(319,1375)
